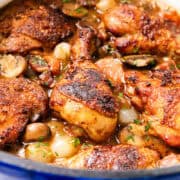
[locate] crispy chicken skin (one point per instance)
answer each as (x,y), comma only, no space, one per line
(83,97)
(158,95)
(35,28)
(20,99)
(138,31)
(119,157)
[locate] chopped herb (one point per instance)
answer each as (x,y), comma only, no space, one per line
(81,10)
(130,127)
(178,66)
(135,50)
(39,61)
(41,138)
(147,127)
(76,142)
(109,49)
(66,1)
(120,95)
(56,154)
(130,137)
(44,153)
(152,63)
(137,121)
(40,144)
(147,137)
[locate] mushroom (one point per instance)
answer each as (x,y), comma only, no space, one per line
(12,66)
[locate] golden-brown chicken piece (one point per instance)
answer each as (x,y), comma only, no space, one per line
(136,134)
(113,69)
(119,157)
(20,100)
(83,97)
(83,43)
(34,28)
(140,32)
(158,95)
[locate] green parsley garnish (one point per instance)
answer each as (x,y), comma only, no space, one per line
(81,10)
(130,137)
(135,50)
(66,1)
(129,127)
(147,137)
(137,121)
(147,127)
(56,154)
(178,66)
(120,95)
(76,142)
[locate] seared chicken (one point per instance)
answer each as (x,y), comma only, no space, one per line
(83,98)
(34,28)
(20,100)
(119,157)
(83,43)
(158,95)
(113,69)
(136,134)
(139,32)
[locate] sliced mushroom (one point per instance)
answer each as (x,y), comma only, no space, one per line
(12,66)
(140,60)
(74,10)
(36,132)
(37,63)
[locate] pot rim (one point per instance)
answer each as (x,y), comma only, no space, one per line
(11,161)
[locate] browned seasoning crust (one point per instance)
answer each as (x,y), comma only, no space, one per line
(35,28)
(121,157)
(158,95)
(84,83)
(138,31)
(20,99)
(118,157)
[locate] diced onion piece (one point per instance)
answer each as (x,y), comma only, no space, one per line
(127,115)
(12,66)
(39,151)
(62,51)
(64,146)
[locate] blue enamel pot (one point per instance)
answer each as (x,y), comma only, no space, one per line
(12,167)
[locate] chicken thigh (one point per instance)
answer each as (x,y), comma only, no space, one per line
(20,100)
(83,97)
